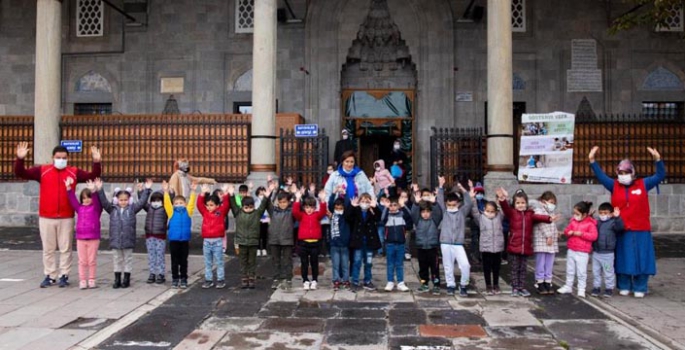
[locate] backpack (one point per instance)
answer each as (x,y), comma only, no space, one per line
(396,171)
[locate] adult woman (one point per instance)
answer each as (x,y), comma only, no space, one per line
(350,177)
(180,180)
(635,260)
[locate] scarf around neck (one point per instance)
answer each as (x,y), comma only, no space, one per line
(351,186)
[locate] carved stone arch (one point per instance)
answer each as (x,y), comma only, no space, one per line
(244,82)
(661,69)
(93,82)
(238,68)
(518,82)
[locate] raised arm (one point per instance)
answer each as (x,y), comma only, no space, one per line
(142,200)
(73,201)
(660,175)
(82,175)
(200,204)
(106,204)
(605,180)
(168,206)
(191,203)
(32,173)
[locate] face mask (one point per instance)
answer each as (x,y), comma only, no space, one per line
(179,206)
(329,172)
(479,196)
(551,207)
(396,146)
(338,212)
(489,216)
(625,179)
(60,163)
(452,210)
(425,199)
(578,217)
(364,206)
(378,168)
(156,205)
(345,137)
(604,217)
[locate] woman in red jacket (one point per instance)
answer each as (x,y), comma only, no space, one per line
(581,232)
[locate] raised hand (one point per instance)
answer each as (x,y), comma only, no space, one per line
(322,195)
(98,183)
(148,183)
(230,189)
(250,186)
(205,188)
(312,187)
(441,181)
(431,198)
(289,180)
(354,201)
(269,178)
(22,150)
(298,195)
(402,201)
(68,182)
(617,212)
(470,183)
(193,186)
(165,186)
(461,188)
(270,188)
(374,202)
(90,185)
(139,186)
(472,192)
(415,187)
(224,188)
(593,151)
(417,197)
(654,153)
(95,152)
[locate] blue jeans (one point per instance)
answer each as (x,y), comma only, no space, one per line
(212,250)
(340,257)
(381,236)
(637,283)
(394,255)
(368,263)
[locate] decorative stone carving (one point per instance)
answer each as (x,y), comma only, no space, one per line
(518,82)
(585,111)
(93,82)
(244,82)
(171,106)
(662,79)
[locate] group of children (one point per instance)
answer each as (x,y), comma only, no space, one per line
(437,218)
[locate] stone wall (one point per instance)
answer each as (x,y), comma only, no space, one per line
(19,204)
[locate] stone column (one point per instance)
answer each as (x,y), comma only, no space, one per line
(47,107)
(500,96)
(262,152)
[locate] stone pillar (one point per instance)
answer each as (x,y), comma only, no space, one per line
(500,96)
(47,107)
(262,152)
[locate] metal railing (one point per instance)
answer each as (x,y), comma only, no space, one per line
(13,130)
(458,154)
(303,158)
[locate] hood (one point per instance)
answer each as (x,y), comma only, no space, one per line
(380,163)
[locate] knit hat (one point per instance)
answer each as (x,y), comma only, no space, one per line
(625,165)
(478,188)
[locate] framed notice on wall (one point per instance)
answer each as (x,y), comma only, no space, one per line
(546,151)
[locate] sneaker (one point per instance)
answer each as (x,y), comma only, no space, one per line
(313,285)
(174,283)
(259,252)
(435,290)
(184,283)
(160,279)
(346,285)
(639,294)
(504,262)
(462,292)
(565,290)
(624,292)
(496,290)
(608,293)
(355,287)
(220,284)
(524,293)
(288,284)
(306,285)
(581,294)
(152,278)
(92,284)
(402,287)
(488,290)
(207,285)
(264,252)
(389,287)
(275,284)
(595,292)
(63,281)
(243,283)
(369,286)
(549,290)
(450,291)
(336,286)
(540,288)
(424,288)
(407,256)
(515,293)
(83,284)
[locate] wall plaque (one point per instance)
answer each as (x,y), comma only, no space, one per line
(171,85)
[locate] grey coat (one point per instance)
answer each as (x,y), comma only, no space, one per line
(281,225)
(453,224)
(491,236)
(427,235)
(122,222)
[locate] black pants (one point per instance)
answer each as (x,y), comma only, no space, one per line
(325,245)
(429,266)
(491,265)
(309,256)
(179,259)
(263,235)
(283,261)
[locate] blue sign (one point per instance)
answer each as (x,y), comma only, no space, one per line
(306,130)
(73,146)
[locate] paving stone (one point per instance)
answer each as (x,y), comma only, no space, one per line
(366,339)
(407,317)
(597,334)
(17,338)
(270,340)
(349,326)
(316,313)
(94,324)
(497,316)
(405,305)
(344,295)
(294,295)
(235,325)
(318,295)
(200,339)
(529,332)
(278,309)
(404,331)
(237,309)
(425,343)
(361,305)
(452,331)
(565,307)
(293,325)
(433,304)
(362,313)
(59,339)
(450,316)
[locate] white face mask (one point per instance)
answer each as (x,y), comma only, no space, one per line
(604,217)
(625,179)
(396,146)
(345,137)
(179,206)
(425,199)
(60,163)
(329,172)
(479,196)
(452,210)
(578,217)
(551,207)
(338,212)
(156,205)
(364,206)
(489,215)
(378,168)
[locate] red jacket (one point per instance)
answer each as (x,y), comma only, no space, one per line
(633,201)
(213,222)
(521,228)
(310,225)
(53,202)
(582,243)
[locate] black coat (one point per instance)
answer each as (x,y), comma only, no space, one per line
(341,147)
(364,228)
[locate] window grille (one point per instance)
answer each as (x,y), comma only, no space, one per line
(674,21)
(89,18)
(518,15)
(244,16)
(662,110)
(92,108)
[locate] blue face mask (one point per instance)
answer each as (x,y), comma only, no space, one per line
(479,196)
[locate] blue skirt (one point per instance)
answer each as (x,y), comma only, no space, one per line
(635,253)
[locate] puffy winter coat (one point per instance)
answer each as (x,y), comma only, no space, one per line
(606,235)
(453,224)
(364,229)
(247,225)
(281,226)
(88,221)
(491,236)
(310,225)
(521,228)
(213,223)
(427,235)
(180,221)
(395,225)
(582,243)
(122,221)
(542,231)
(382,176)
(155,221)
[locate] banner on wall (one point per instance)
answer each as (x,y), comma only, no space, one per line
(546,148)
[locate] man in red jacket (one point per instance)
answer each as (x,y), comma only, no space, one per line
(55,215)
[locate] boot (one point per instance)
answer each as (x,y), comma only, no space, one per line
(549,288)
(127,280)
(250,283)
(160,279)
(541,288)
(244,283)
(152,278)
(117,280)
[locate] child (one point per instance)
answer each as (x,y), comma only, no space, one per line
(491,241)
(122,230)
(404,196)
(340,240)
(263,222)
(382,178)
(427,215)
(364,238)
(155,237)
(394,218)
(180,223)
(247,225)
(581,232)
(281,240)
(520,246)
(456,207)
(545,244)
(213,211)
(309,235)
(383,202)
(87,231)
(474,224)
(608,227)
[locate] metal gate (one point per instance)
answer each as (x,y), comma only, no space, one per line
(457,154)
(303,158)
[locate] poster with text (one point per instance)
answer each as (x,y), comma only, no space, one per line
(546,148)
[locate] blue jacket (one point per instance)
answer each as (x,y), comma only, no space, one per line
(607,231)
(180,221)
(341,229)
(396,225)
